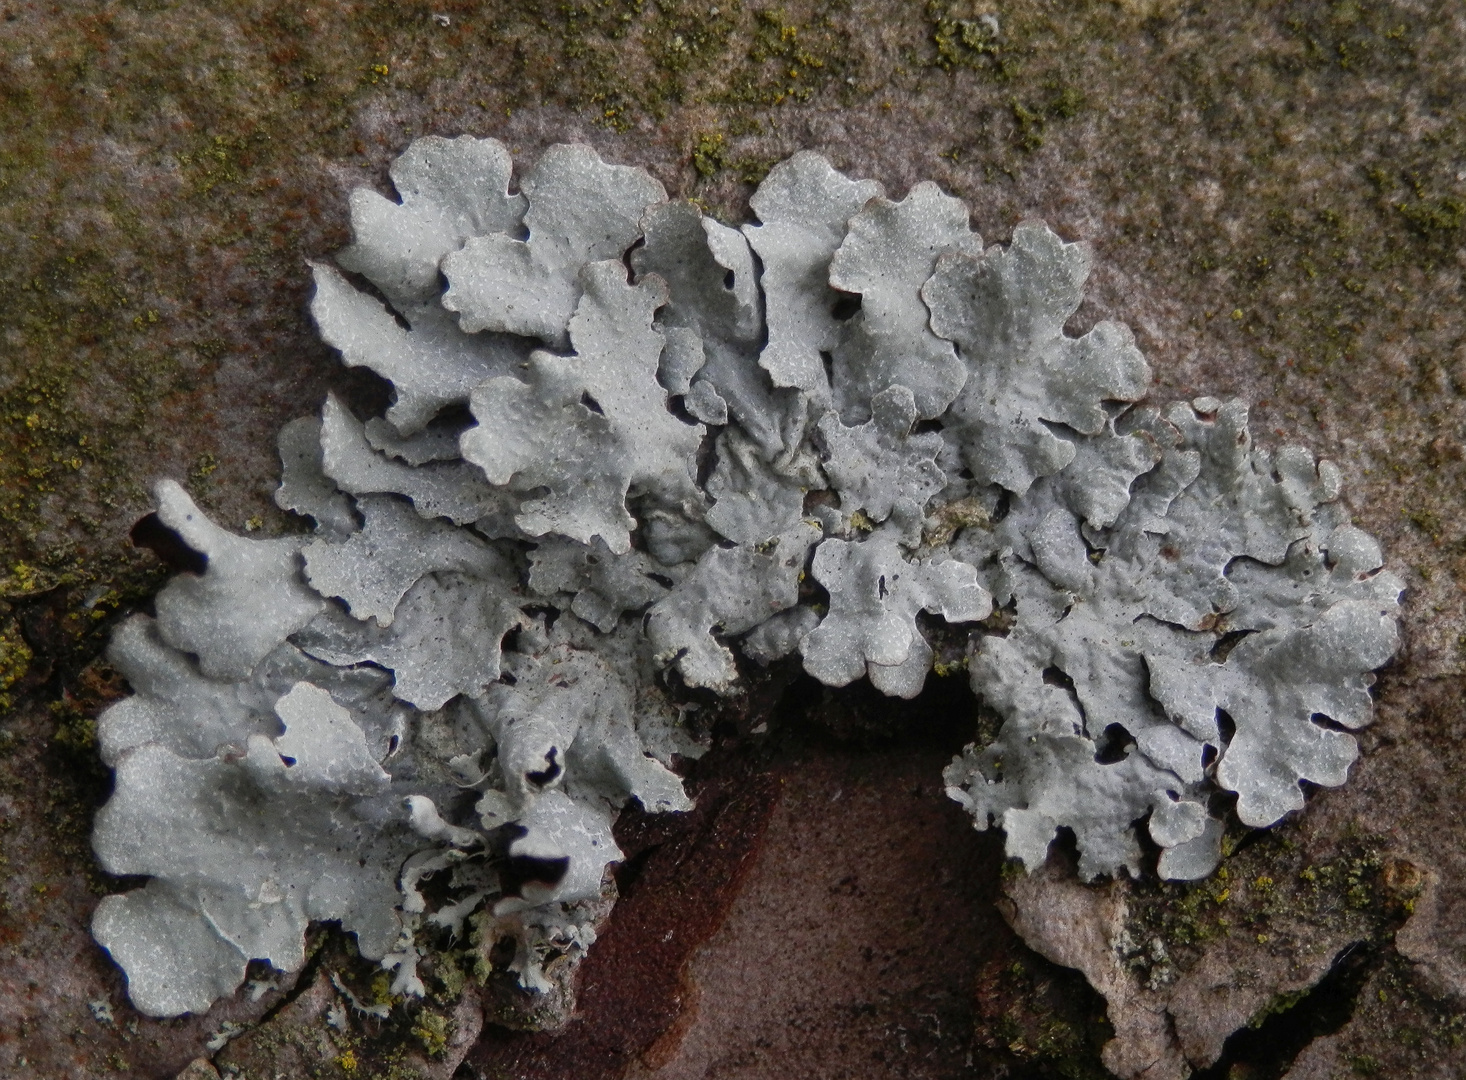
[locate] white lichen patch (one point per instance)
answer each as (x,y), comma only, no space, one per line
(1006,311)
(448,489)
(245,849)
(372,569)
(451,190)
(443,640)
(730,591)
(846,433)
(804,207)
(875,594)
(430,362)
(886,258)
(246,602)
(581,211)
(880,468)
(590,426)
(600,584)
(1212,600)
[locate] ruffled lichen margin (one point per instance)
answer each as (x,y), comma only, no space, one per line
(634,455)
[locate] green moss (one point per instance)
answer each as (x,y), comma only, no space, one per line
(684,37)
(1438,218)
(1061,102)
(969,43)
(450,976)
(203,468)
(15,660)
(76,732)
(1356,38)
(213,163)
(1268,893)
(1279,1004)
(1030,125)
(1047,1020)
(791,61)
(707,153)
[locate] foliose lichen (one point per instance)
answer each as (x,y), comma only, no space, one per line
(629,447)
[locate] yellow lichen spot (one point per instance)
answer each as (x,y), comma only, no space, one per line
(950,519)
(707,152)
(1263,883)
(32,421)
(380,69)
(1236,314)
(1223,895)
(432,1031)
(1262,939)
(859,521)
(254,524)
(382,990)
(24,580)
(347,1062)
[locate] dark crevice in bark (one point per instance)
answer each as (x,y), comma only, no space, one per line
(304,980)
(1265,1050)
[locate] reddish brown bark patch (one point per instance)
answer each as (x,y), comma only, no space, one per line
(680,875)
(823,912)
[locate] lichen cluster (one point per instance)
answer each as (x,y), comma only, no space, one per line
(633,455)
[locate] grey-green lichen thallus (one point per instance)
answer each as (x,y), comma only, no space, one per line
(634,455)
